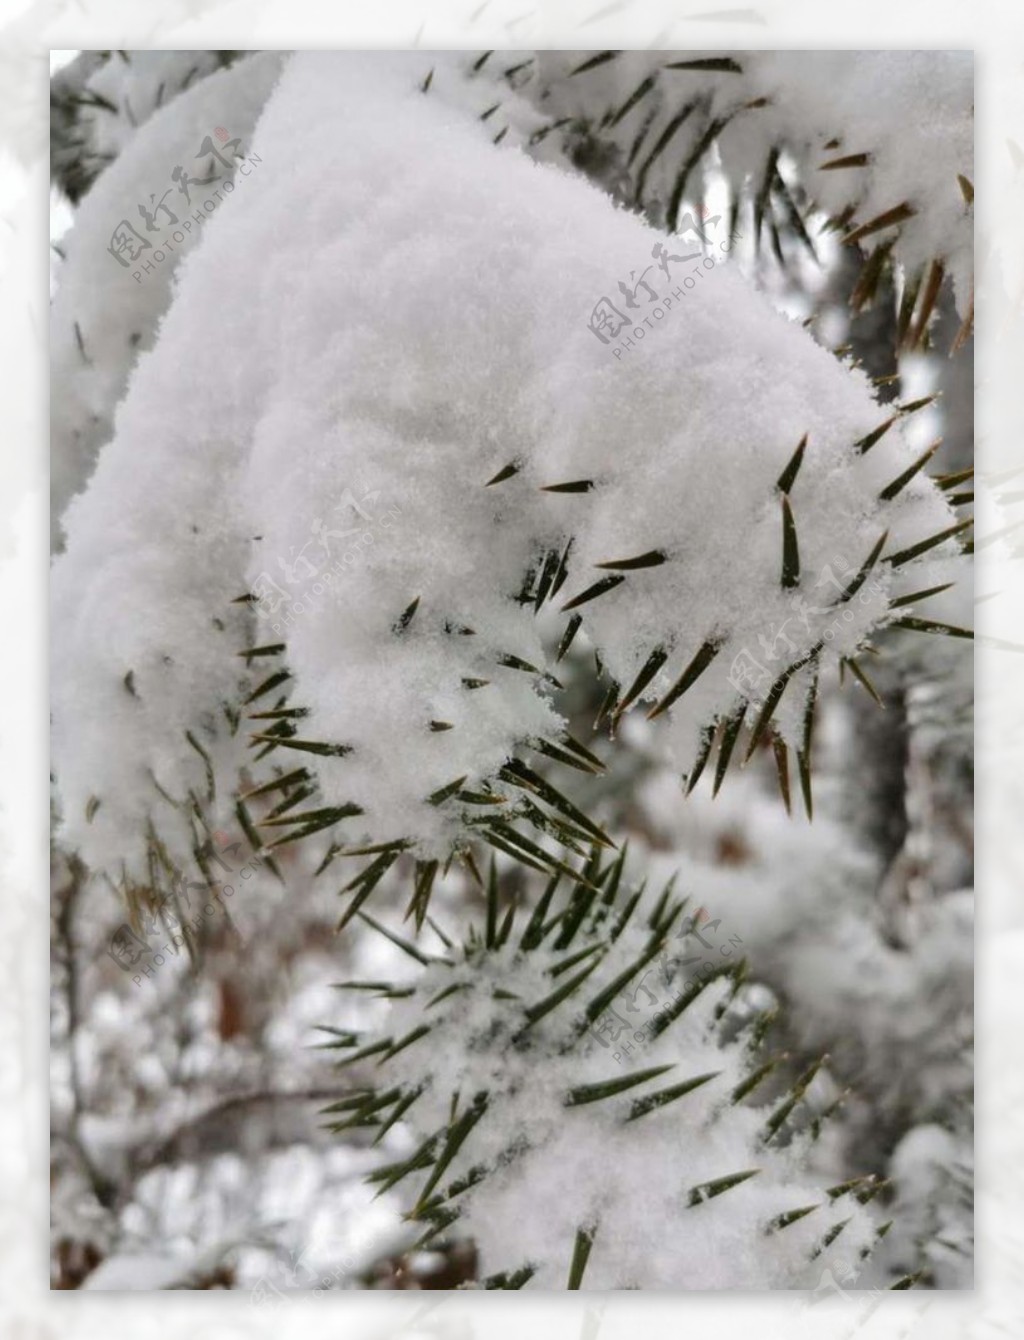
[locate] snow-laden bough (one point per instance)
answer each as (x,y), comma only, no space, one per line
(388,420)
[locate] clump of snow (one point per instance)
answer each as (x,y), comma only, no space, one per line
(381,322)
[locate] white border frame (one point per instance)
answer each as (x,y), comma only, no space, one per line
(996,1307)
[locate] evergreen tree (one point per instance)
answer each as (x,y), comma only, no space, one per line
(532,449)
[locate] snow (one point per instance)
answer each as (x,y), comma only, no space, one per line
(911,112)
(553,1169)
(102,317)
(410,308)
(805,900)
(934,1171)
(140,1273)
(366,334)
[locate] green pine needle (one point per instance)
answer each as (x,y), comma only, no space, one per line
(702,659)
(611,1088)
(782,1221)
(931,626)
(580,1256)
(785,481)
(923,546)
(593,62)
(725,64)
(307,746)
(600,588)
(705,1191)
(861,676)
(571,629)
(570,486)
(730,733)
(866,443)
(653,558)
(901,481)
(756,1077)
(707,740)
(535,1013)
(790,547)
(396,940)
(652,1102)
(268,686)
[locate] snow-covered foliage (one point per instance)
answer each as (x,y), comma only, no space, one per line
(618,485)
(100,99)
(105,313)
(482,484)
(522,1058)
(884,140)
(805,899)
